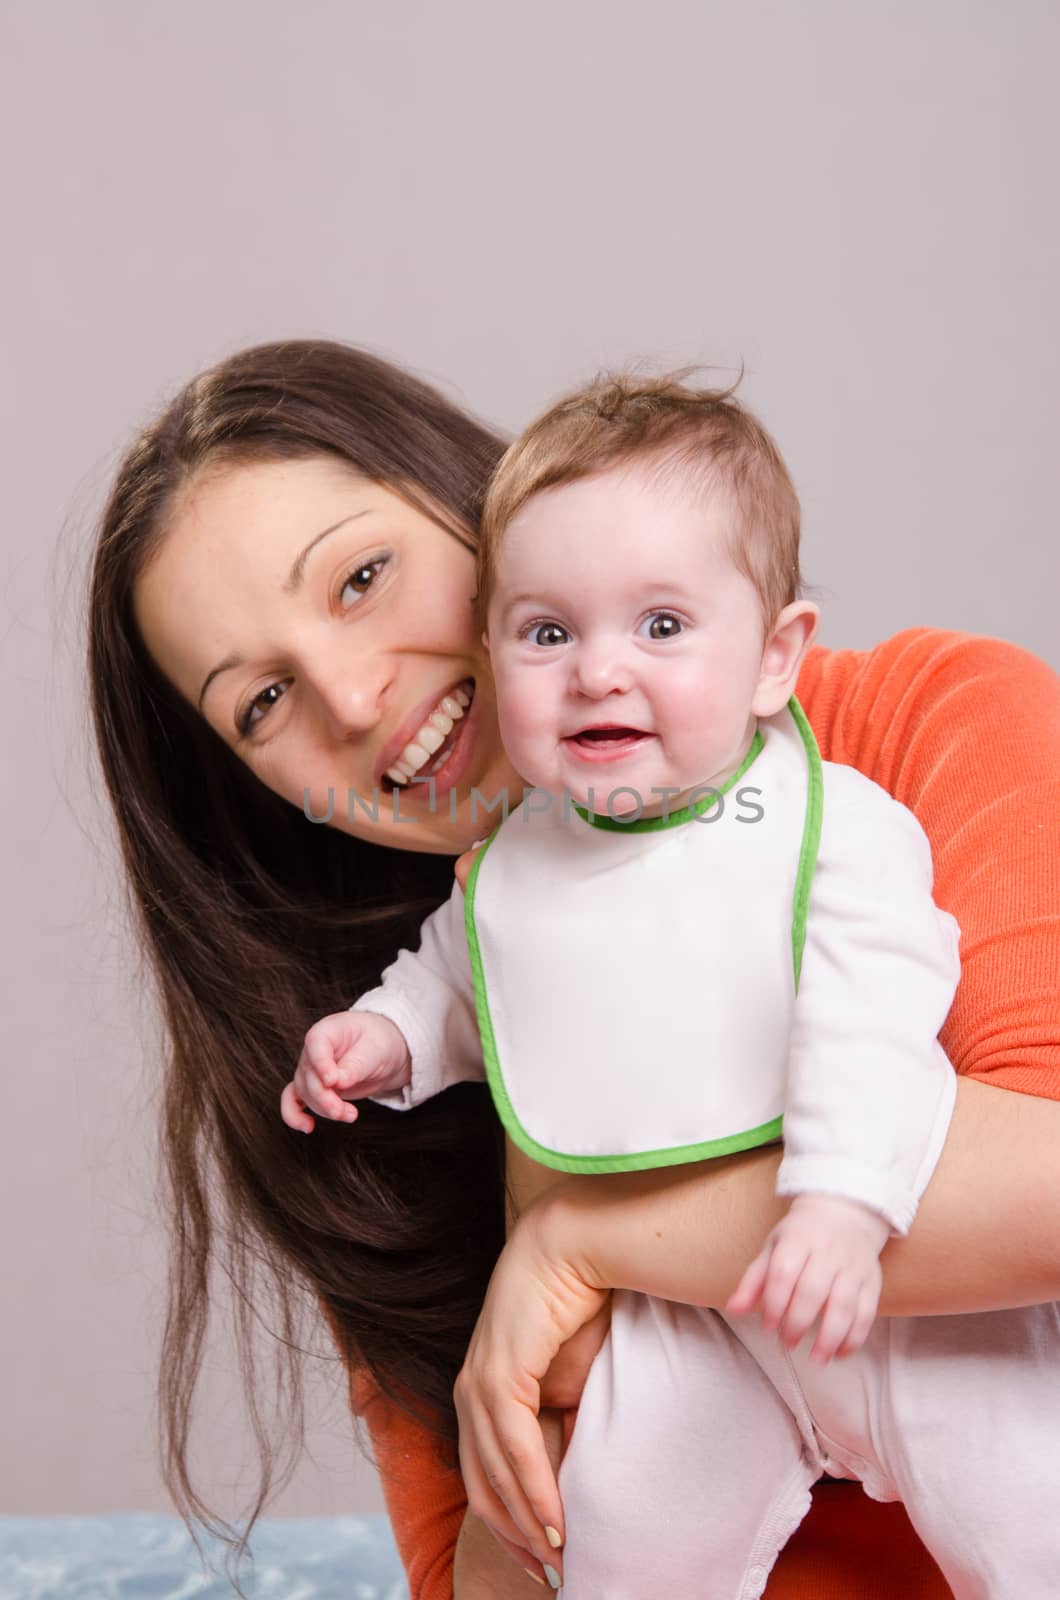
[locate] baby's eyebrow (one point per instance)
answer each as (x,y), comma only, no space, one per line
(522,600)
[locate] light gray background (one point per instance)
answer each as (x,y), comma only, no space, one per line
(858,201)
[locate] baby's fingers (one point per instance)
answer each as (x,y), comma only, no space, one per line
(864,1317)
(843,1314)
(347,1073)
(293,1112)
(746,1295)
(319,1053)
(811,1291)
(319,1097)
(785,1268)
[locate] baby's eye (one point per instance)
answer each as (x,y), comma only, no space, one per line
(547,634)
(362,577)
(661,625)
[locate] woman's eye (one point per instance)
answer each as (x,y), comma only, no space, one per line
(246,722)
(661,625)
(360,580)
(547,633)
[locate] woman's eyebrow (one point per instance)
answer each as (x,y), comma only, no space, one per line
(294,582)
(291,586)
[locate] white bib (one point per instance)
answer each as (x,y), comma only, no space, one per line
(635,982)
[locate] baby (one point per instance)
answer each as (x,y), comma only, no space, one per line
(690,934)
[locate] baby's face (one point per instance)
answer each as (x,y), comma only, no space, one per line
(625,644)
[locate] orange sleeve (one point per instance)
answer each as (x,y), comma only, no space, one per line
(424,1492)
(964,731)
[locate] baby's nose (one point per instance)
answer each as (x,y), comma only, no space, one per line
(602,669)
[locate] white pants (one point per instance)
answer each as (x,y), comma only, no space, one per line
(697,1442)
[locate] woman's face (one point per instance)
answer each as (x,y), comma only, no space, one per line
(323,627)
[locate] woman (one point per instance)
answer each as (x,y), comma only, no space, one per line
(280,601)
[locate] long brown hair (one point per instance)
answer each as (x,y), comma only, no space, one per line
(256,923)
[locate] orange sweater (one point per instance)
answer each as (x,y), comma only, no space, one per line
(966,733)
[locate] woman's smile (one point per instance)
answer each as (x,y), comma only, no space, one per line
(433,740)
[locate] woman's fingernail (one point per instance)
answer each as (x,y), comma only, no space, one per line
(552,1575)
(553,1537)
(535,1577)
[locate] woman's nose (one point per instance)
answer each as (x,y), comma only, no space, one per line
(352,694)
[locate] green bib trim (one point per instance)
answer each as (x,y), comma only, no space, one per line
(811,836)
(677,1155)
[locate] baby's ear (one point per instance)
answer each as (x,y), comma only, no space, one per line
(782,656)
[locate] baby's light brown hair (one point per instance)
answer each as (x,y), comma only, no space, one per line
(701,438)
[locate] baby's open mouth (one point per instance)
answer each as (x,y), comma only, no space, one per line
(612,735)
(603,744)
(430,747)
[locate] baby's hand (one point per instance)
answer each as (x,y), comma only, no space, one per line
(347,1056)
(464,863)
(822,1259)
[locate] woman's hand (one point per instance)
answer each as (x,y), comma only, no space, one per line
(536,1302)
(482,1569)
(550,1294)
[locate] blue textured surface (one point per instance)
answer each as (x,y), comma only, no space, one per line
(139,1556)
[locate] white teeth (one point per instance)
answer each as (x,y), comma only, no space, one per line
(431,736)
(414,755)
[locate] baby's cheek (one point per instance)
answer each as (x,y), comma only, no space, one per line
(526,722)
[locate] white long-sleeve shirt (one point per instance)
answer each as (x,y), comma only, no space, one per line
(868,1093)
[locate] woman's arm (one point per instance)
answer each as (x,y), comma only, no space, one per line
(687,1233)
